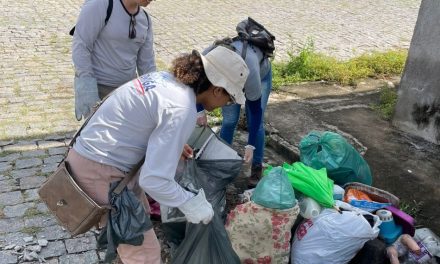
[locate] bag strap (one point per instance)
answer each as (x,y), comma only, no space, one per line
(107,16)
(130,176)
(95,108)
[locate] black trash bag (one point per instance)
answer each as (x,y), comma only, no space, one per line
(204,243)
(126,224)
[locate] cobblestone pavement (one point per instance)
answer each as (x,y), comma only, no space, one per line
(36,96)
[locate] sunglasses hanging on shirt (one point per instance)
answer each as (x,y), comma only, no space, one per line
(132,27)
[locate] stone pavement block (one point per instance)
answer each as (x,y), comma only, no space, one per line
(48,168)
(53,232)
(42,208)
(40,221)
(17,210)
(50,144)
(86,257)
(81,244)
(28,163)
(53,249)
(31,195)
(34,153)
(5,166)
(11,225)
(55,159)
(22,173)
(47,261)
(7,185)
(11,198)
(15,238)
(31,182)
(10,157)
(57,151)
(20,147)
(7,257)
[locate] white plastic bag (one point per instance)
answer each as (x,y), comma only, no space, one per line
(333,237)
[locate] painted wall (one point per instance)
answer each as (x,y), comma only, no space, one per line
(418,106)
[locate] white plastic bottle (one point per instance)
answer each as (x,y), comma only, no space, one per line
(309,208)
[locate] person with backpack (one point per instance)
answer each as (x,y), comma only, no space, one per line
(152,117)
(255,44)
(112,41)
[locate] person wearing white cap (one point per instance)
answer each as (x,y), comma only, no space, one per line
(257,89)
(153,116)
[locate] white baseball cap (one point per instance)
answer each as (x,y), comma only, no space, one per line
(225,68)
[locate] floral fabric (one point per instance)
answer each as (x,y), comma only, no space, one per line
(261,235)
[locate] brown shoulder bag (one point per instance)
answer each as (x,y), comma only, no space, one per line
(71,206)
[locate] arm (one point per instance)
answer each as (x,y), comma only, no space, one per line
(90,22)
(145,59)
(163,152)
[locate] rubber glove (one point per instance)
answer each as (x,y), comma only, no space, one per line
(86,96)
(202,119)
(248,153)
(197,209)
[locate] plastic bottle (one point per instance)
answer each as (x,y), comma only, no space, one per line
(338,192)
(389,231)
(309,208)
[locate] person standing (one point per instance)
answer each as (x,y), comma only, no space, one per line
(257,89)
(107,54)
(153,116)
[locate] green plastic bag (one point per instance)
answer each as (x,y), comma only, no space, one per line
(274,191)
(331,151)
(312,183)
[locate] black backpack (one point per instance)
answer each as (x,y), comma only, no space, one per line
(250,31)
(109,12)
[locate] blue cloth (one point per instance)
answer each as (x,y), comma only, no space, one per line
(254,118)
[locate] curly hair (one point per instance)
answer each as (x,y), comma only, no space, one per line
(188,69)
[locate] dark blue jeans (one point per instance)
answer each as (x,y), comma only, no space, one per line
(231,115)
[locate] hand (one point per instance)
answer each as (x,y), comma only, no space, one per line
(202,119)
(86,96)
(187,152)
(248,153)
(197,209)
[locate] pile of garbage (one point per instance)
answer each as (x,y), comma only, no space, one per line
(321,209)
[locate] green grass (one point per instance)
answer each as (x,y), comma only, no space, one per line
(309,65)
(413,208)
(387,102)
(32,212)
(31,230)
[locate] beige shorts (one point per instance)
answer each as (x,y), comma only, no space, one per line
(95,178)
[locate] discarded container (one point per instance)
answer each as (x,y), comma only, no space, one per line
(403,219)
(389,231)
(309,208)
(429,243)
(338,192)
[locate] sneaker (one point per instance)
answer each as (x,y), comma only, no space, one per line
(256,172)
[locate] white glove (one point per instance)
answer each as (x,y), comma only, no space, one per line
(86,96)
(197,209)
(248,153)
